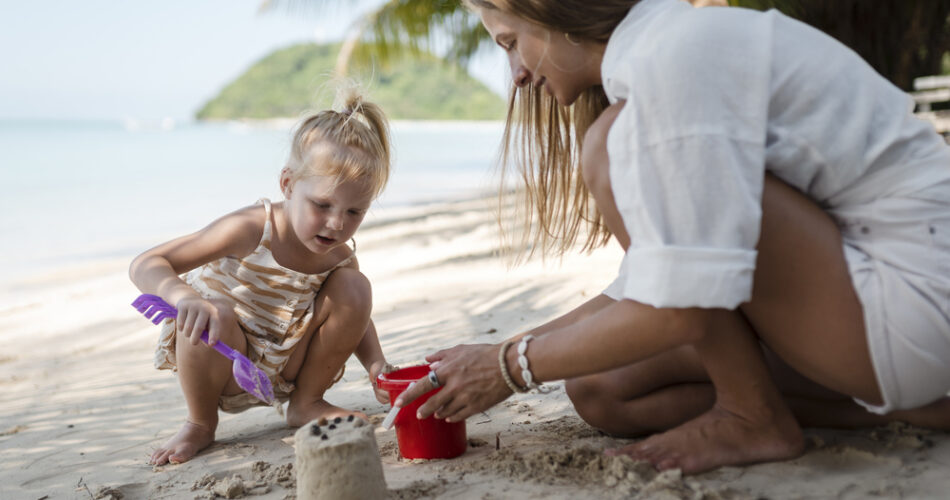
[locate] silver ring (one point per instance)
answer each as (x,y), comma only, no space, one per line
(434,379)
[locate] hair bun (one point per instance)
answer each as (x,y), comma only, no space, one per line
(350,98)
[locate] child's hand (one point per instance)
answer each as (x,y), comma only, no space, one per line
(195,315)
(375,370)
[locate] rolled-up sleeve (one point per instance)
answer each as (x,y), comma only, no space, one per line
(687,153)
(692,207)
(615,289)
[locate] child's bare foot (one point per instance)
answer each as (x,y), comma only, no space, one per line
(299,413)
(717,438)
(191,439)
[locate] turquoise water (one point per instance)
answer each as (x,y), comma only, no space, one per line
(77,191)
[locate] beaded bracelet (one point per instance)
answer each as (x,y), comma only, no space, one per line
(525,371)
(504,368)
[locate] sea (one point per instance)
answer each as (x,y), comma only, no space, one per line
(77,192)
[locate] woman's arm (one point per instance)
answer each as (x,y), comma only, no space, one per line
(579,313)
(613,336)
(619,334)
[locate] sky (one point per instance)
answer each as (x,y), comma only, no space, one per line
(135,60)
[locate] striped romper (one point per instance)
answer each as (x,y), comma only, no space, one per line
(274,306)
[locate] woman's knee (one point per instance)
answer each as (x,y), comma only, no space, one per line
(592,399)
(579,389)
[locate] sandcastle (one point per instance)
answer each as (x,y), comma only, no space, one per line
(338,459)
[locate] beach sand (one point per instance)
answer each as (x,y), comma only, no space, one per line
(81,407)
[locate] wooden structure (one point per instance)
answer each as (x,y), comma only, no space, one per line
(930,90)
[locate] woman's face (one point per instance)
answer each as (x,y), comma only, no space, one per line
(544,58)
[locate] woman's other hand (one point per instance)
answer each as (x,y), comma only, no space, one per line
(471,382)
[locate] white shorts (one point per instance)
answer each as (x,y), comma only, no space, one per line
(898,252)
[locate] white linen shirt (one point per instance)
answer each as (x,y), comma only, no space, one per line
(714,98)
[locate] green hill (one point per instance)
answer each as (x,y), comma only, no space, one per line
(294,80)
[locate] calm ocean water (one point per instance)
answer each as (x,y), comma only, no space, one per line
(72,192)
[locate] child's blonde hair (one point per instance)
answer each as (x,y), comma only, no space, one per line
(350,144)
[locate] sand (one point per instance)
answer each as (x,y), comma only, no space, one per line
(81,407)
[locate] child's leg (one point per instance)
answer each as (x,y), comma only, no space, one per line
(343,309)
(204,375)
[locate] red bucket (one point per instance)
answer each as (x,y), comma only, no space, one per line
(429,438)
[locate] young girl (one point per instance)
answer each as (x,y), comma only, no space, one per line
(277,282)
(768,188)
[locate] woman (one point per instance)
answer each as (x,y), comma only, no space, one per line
(786,222)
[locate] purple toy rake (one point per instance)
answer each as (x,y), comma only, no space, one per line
(251,378)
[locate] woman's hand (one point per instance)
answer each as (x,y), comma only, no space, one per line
(471,382)
(375,369)
(196,314)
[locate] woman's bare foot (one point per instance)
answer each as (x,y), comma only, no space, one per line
(935,416)
(717,438)
(299,414)
(191,439)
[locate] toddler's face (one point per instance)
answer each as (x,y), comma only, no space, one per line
(324,216)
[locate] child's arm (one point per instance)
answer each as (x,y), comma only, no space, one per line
(157,270)
(370,354)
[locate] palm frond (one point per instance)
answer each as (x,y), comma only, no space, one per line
(899,38)
(400,27)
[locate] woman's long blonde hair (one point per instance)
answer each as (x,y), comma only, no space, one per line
(542,139)
(350,144)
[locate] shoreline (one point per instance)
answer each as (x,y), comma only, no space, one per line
(90,263)
(288,122)
(277,123)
